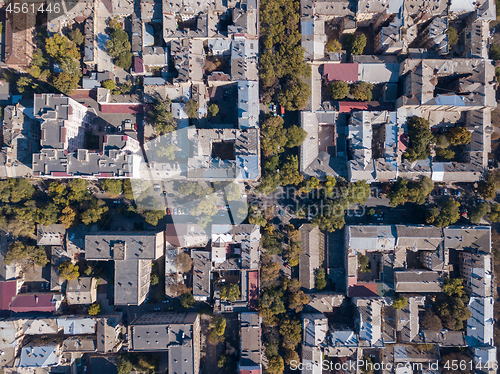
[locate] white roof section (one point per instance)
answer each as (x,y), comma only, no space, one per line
(248,104)
(371,238)
(77,325)
(480,325)
(40,356)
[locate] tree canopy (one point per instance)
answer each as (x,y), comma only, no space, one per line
(362,91)
(28,255)
(333,45)
(477,212)
(444,215)
(119,46)
(273,136)
(187,300)
(320,280)
(404,191)
(452,36)
(94,309)
(161,117)
(400,302)
(113,187)
(459,135)
(68,270)
(230,292)
(191,108)
(420,137)
(338,90)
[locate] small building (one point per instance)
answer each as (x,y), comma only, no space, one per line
(81,291)
(51,235)
(250,344)
(201,275)
(309,257)
(346,72)
(36,302)
(177,333)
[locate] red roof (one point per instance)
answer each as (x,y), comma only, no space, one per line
(80,94)
(8,291)
(33,303)
(363,290)
(341,72)
(121,108)
(350,106)
(253,289)
(403,142)
(138,66)
(254,371)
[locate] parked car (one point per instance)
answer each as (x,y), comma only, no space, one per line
(164,193)
(445,191)
(120,128)
(157,187)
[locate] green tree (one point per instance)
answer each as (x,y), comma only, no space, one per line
(60,48)
(187,300)
(494,52)
(494,214)
(220,326)
(273,136)
(270,271)
(442,141)
(420,137)
(289,172)
(276,365)
(445,154)
(290,356)
(94,309)
(68,270)
(76,37)
(459,135)
(453,287)
(400,302)
(359,44)
(213,110)
(118,45)
(333,45)
(207,206)
(445,215)
(161,117)
(221,361)
(233,192)
(191,108)
(295,94)
(364,263)
(94,213)
(430,321)
(48,214)
(154,279)
(78,189)
(362,91)
(29,255)
(477,213)
(255,217)
(452,36)
(66,82)
(23,84)
(291,332)
(109,84)
(367,365)
(68,217)
(320,280)
(230,292)
(296,136)
(113,187)
(404,191)
(297,300)
(153,216)
(338,90)
(124,366)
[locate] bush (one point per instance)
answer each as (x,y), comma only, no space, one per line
(94,309)
(68,270)
(494,52)
(320,281)
(191,108)
(338,90)
(362,91)
(400,302)
(452,36)
(333,45)
(187,300)
(155,279)
(109,84)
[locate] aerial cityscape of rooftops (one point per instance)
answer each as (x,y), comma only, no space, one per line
(249,186)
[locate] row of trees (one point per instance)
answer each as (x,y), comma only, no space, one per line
(355,44)
(330,216)
(361,91)
(119,46)
(281,63)
(404,191)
